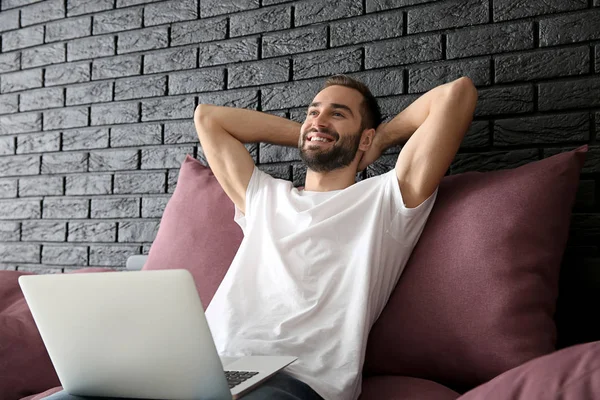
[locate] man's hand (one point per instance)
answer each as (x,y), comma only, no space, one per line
(371,155)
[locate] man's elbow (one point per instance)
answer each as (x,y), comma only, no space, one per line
(202,113)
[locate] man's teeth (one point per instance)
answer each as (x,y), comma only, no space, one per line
(320,139)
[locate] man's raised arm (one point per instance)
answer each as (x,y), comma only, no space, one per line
(224,130)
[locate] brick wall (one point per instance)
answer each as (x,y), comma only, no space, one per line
(97,99)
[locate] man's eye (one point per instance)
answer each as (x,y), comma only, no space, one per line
(312,112)
(336,114)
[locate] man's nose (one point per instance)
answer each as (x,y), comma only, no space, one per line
(321,121)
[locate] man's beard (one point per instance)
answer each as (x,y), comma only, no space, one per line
(340,154)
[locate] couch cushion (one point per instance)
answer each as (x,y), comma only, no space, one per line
(197,231)
(572,373)
(404,388)
(478,295)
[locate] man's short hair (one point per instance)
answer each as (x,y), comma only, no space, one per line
(370,111)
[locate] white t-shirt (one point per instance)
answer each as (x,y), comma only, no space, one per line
(312,275)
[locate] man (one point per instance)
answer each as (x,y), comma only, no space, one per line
(317,265)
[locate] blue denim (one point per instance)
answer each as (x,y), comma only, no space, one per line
(279,387)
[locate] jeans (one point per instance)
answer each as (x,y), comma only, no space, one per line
(279,387)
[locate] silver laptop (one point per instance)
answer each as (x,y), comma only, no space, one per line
(139,334)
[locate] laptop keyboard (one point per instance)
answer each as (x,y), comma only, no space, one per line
(234,378)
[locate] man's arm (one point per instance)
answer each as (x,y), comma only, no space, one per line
(224,130)
(434,125)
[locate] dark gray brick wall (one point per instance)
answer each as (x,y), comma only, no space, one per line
(97,99)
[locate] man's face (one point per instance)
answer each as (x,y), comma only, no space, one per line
(331,133)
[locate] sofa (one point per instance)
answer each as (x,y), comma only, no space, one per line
(475,314)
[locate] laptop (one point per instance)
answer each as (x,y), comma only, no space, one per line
(138,334)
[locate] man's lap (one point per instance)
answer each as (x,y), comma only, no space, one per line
(280,387)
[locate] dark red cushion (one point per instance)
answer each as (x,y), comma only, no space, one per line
(404,388)
(478,294)
(197,231)
(572,373)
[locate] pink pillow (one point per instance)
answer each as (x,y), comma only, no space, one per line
(478,294)
(197,231)
(572,373)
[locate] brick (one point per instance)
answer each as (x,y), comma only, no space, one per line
(9,103)
(170,60)
(298,174)
(9,20)
(65,208)
(271,2)
(167,108)
(559,30)
(9,231)
(152,207)
(204,80)
(20,123)
(88,184)
(64,255)
(311,12)
(67,73)
(118,20)
(93,47)
(20,253)
(57,163)
(294,94)
(138,231)
(42,98)
(19,209)
(68,29)
(125,207)
(38,142)
(209,8)
(173,175)
(382,165)
(492,161)
(64,118)
(88,138)
(247,99)
(180,132)
(7,145)
(585,197)
(258,73)
(380,5)
(277,171)
(140,182)
(115,67)
(258,21)
(40,186)
(448,14)
(490,39)
(112,256)
(135,135)
(115,113)
(77,7)
(21,80)
(112,160)
(42,12)
(198,31)
(145,86)
(19,165)
(582,93)
(392,105)
(542,64)
(143,39)
(477,136)
(8,188)
(506,9)
(422,79)
(22,38)
(597,57)
(170,11)
(166,157)
(43,55)
(94,92)
(562,128)
(10,62)
(43,231)
(403,51)
(504,100)
(367,28)
(326,63)
(228,51)
(127,3)
(294,41)
(87,232)
(6,4)
(270,153)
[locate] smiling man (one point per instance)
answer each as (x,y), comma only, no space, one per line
(317,265)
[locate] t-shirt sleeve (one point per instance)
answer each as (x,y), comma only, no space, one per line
(407,222)
(258,181)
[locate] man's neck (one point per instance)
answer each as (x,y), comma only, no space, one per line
(332,180)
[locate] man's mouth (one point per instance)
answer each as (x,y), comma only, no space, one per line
(318,137)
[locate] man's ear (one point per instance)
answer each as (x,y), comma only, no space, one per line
(366,139)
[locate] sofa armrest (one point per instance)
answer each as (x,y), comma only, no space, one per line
(135,263)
